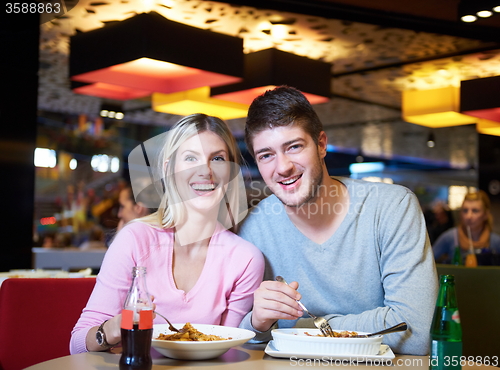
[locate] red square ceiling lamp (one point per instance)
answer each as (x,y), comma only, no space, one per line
(269,68)
(481,98)
(149,53)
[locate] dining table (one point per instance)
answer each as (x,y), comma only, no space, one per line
(244,357)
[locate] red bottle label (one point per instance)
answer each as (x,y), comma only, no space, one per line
(127,319)
(145,319)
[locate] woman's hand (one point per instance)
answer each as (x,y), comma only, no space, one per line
(112,331)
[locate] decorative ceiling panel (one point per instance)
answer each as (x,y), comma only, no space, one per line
(349,46)
(384,86)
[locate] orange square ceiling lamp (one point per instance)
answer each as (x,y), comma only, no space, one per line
(148,53)
(269,68)
(197,100)
(435,108)
(488,127)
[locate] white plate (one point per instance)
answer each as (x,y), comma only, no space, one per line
(308,340)
(385,355)
(183,350)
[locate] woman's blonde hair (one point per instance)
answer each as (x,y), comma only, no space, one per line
(485,201)
(171,209)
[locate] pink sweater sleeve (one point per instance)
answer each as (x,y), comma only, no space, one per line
(111,288)
(240,300)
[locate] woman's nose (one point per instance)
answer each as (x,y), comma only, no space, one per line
(205,170)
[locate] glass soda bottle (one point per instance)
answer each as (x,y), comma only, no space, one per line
(457,256)
(446,330)
(137,324)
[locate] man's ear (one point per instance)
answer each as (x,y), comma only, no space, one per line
(322,144)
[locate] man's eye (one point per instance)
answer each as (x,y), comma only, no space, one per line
(264,157)
(295,147)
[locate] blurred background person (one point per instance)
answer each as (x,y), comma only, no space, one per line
(475,215)
(95,240)
(49,241)
(64,240)
(440,220)
(129,208)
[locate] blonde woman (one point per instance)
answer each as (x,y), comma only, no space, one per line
(475,216)
(197,270)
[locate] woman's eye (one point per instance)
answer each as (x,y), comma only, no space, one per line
(218,158)
(190,158)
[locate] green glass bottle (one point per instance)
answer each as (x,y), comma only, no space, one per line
(446,330)
(457,256)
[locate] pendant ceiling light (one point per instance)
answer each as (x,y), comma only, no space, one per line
(434,108)
(481,98)
(149,53)
(268,68)
(488,127)
(197,100)
(108,91)
(472,10)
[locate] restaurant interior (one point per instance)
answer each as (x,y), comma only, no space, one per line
(408,93)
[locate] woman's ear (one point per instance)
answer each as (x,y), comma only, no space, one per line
(165,164)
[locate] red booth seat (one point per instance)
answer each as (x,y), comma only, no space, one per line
(37,316)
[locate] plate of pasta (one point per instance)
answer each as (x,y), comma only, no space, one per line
(197,341)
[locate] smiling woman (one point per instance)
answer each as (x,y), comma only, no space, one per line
(198,271)
(474,233)
(202,173)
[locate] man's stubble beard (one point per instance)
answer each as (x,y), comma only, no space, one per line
(317,180)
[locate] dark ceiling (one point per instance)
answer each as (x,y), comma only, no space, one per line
(436,16)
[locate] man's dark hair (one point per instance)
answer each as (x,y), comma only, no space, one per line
(146,196)
(283,106)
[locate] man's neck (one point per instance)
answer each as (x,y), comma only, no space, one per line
(320,218)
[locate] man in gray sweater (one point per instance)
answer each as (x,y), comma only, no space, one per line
(359,250)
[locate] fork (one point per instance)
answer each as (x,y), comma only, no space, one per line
(319,322)
(393,329)
(170,326)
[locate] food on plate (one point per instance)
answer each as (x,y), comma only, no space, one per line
(189,333)
(336,334)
